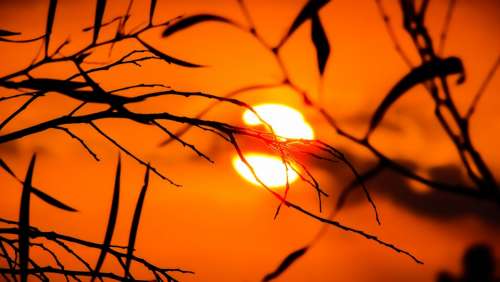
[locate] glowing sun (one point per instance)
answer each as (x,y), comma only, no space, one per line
(286,123)
(269,169)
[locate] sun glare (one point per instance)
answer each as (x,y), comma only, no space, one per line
(269,169)
(285,121)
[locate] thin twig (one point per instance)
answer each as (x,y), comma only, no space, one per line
(74,136)
(482,88)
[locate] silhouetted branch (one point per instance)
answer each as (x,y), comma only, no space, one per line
(308,213)
(433,73)
(446,25)
(356,231)
(123,149)
(182,142)
(17,95)
(84,145)
(364,177)
(392,34)
(482,88)
(476,168)
(21,109)
(61,240)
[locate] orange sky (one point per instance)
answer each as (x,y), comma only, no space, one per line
(219,225)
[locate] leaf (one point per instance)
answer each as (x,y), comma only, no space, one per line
(320,41)
(167,58)
(50,23)
(99,14)
(4,32)
(24,221)
(51,200)
(422,73)
(152,8)
(41,195)
(7,168)
(291,258)
(113,214)
(312,7)
(135,222)
(192,20)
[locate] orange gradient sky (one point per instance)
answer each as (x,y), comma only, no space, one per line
(219,225)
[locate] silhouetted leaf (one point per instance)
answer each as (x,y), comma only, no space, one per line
(51,200)
(135,222)
(320,42)
(422,73)
(192,20)
(99,14)
(312,7)
(50,23)
(43,196)
(24,221)
(291,258)
(167,58)
(4,32)
(152,8)
(7,168)
(113,214)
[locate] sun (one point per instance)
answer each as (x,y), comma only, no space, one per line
(287,123)
(269,169)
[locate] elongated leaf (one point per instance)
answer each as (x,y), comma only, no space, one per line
(4,33)
(192,20)
(51,200)
(152,8)
(50,23)
(422,73)
(167,58)
(320,41)
(99,14)
(291,258)
(7,168)
(24,221)
(43,196)
(135,222)
(312,7)
(113,214)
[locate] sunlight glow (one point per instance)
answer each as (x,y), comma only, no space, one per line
(285,121)
(269,169)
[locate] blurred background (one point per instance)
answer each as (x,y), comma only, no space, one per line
(221,226)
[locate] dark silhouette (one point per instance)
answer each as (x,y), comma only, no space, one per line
(478,266)
(433,71)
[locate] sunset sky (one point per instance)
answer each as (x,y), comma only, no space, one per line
(218,224)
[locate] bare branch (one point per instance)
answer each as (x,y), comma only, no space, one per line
(483,87)
(123,149)
(85,146)
(446,25)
